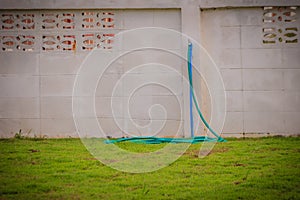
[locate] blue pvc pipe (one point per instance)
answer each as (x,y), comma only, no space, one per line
(190,47)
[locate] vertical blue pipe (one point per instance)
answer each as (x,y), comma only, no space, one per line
(190,47)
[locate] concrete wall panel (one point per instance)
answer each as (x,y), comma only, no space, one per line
(234,101)
(19,63)
(271,101)
(231,37)
(251,37)
(233,123)
(263,79)
(19,86)
(230,58)
(11,108)
(144,19)
(165,107)
(60,64)
(291,101)
(264,122)
(292,79)
(55,127)
(232,18)
(292,122)
(167,19)
(56,107)
(61,85)
(232,79)
(291,58)
(169,58)
(261,58)
(251,17)
(107,107)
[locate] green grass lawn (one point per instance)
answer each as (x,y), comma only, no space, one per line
(265,168)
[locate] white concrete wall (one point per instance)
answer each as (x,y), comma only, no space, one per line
(36,86)
(261,80)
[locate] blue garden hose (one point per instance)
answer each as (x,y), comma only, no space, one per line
(190,49)
(157,140)
(193,139)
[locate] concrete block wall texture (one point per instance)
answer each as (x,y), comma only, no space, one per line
(36,86)
(261,80)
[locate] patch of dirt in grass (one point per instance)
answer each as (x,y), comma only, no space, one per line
(69,185)
(239,165)
(195,153)
(219,150)
(237,182)
(132,188)
(33,163)
(34,150)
